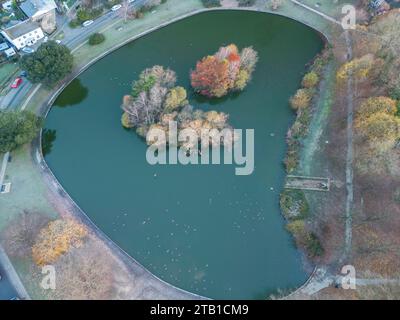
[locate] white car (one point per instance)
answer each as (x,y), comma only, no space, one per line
(116,7)
(58,41)
(45,39)
(87,23)
(27,50)
(130,1)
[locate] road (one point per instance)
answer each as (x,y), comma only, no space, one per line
(73,37)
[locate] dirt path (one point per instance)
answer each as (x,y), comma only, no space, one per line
(349,156)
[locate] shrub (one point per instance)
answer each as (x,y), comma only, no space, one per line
(294,204)
(310,80)
(313,245)
(309,240)
(246,3)
(84,14)
(56,239)
(395,92)
(126,123)
(74,23)
(301,99)
(297,228)
(211,3)
(96,38)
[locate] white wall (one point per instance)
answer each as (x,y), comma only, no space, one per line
(28,39)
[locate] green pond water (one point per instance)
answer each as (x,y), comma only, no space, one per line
(200,228)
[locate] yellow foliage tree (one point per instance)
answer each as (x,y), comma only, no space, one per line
(242,79)
(176,98)
(125,121)
(310,80)
(56,239)
(301,99)
(374,105)
(382,130)
(359,68)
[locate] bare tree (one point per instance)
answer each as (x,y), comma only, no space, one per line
(20,234)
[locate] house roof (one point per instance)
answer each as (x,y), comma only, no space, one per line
(21,29)
(9,52)
(3,46)
(33,7)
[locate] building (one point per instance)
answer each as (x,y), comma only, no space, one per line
(3,46)
(7,5)
(26,33)
(10,52)
(379,6)
(42,12)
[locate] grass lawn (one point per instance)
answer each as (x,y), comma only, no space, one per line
(294,11)
(328,6)
(28,191)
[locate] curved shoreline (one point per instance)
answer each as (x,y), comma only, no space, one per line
(49,177)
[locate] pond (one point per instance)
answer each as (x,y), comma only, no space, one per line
(200,228)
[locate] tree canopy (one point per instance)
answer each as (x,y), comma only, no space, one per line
(56,239)
(49,64)
(17,128)
(155,100)
(227,70)
(377,122)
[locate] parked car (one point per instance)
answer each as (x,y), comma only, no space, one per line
(23,74)
(16,83)
(58,41)
(27,50)
(87,23)
(130,1)
(116,7)
(45,39)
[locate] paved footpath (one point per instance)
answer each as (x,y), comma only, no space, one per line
(325,16)
(4,167)
(12,275)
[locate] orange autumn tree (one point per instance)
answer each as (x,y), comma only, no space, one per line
(211,77)
(227,70)
(57,238)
